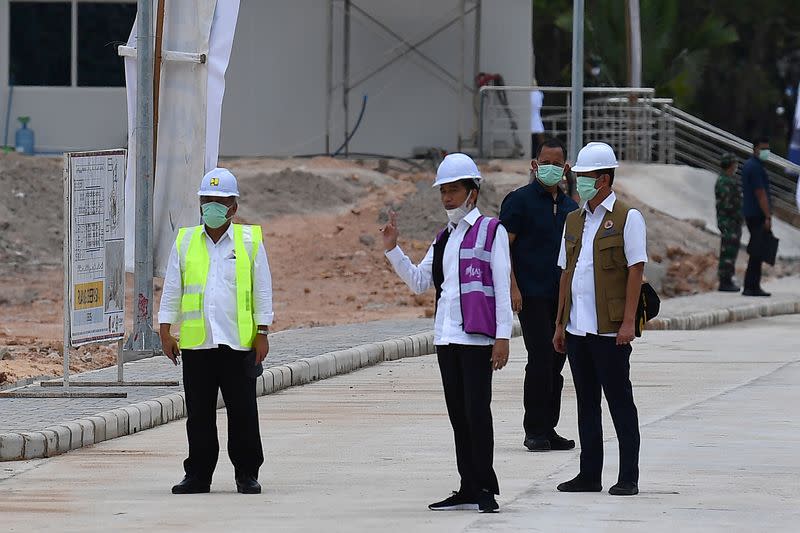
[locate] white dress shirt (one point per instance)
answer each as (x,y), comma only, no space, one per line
(583,312)
(219,302)
(448,323)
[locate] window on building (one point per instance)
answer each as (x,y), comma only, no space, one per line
(102,26)
(40,43)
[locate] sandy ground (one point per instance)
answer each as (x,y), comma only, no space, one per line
(320,218)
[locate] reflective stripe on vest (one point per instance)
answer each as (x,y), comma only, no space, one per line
(475,278)
(194,264)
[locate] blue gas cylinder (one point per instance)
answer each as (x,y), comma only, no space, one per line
(24,139)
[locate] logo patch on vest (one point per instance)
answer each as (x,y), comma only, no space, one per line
(609,224)
(473,272)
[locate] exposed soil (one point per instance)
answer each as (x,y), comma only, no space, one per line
(320,218)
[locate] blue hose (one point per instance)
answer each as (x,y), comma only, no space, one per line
(8,111)
(355,128)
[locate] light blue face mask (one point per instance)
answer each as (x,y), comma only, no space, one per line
(586,188)
(764,154)
(549,175)
(215,214)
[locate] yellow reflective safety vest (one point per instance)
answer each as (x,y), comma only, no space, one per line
(194,262)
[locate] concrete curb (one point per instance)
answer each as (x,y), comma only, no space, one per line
(708,319)
(61,438)
(140,416)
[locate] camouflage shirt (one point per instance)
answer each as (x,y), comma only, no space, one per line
(728,192)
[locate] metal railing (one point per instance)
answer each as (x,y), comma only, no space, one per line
(700,144)
(637,125)
(623,117)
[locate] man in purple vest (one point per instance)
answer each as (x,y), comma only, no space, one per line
(469,266)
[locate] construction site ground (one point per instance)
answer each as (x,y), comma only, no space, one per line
(320,218)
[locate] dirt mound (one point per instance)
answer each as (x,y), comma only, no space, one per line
(292,192)
(320,219)
(420,215)
(31,207)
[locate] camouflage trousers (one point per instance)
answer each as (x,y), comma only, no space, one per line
(729,249)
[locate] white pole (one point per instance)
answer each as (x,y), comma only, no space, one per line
(143,337)
(329,79)
(462,71)
(67,276)
(635,43)
(576,139)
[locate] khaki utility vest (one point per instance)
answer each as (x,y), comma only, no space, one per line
(610,265)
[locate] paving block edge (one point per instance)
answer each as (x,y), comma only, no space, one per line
(14,445)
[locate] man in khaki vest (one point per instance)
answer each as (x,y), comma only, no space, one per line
(603,253)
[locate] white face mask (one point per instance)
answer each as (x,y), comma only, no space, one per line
(457,215)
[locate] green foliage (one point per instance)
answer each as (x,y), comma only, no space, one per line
(716,58)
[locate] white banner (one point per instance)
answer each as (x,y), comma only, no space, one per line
(190,109)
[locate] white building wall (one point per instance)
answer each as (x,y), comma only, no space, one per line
(275,97)
(276,85)
(63,118)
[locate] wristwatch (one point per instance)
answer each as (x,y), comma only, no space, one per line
(262,331)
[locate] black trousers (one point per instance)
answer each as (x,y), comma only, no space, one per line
(752,276)
(204,373)
(543,380)
(467,380)
(598,363)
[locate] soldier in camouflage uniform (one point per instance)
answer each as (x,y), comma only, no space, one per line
(729,220)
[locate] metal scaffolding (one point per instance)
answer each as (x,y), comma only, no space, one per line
(464,90)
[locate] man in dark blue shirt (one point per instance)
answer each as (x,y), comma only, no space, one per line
(534,216)
(757,211)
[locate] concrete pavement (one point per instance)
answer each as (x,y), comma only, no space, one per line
(370,449)
(32,414)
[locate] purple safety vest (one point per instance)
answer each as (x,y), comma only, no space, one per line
(475,277)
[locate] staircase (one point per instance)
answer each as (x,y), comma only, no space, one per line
(638,125)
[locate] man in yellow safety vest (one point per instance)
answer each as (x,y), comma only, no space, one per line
(218,288)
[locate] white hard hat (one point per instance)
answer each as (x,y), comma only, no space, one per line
(595,156)
(456,167)
(219,182)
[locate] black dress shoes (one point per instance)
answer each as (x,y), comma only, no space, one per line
(756,292)
(624,488)
(537,444)
(247,485)
(727,285)
(557,442)
(578,484)
(191,485)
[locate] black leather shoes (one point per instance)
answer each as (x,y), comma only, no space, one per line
(247,485)
(537,444)
(756,292)
(727,285)
(557,442)
(624,488)
(191,485)
(578,484)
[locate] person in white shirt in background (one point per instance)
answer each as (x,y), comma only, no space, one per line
(470,267)
(219,289)
(537,126)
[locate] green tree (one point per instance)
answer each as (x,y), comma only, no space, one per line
(674,56)
(726,61)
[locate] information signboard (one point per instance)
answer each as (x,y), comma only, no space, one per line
(95,254)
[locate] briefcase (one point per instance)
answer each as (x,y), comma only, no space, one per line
(764,246)
(648,308)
